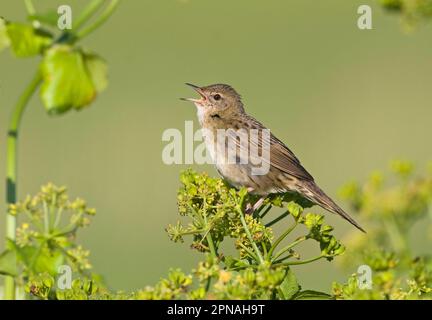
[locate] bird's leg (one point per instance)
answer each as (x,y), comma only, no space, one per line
(250,189)
(251,209)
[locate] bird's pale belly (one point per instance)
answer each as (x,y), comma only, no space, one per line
(240,175)
(238,172)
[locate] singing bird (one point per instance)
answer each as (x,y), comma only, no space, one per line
(220,108)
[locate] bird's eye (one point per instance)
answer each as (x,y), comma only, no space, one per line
(217,96)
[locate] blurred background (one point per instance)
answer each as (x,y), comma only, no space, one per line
(345,100)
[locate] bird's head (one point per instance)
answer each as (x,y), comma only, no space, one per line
(217,98)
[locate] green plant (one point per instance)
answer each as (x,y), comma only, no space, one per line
(259,269)
(68,76)
(45,239)
(259,264)
(412,11)
(391,207)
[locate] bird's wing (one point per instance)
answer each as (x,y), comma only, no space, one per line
(281,157)
(284,159)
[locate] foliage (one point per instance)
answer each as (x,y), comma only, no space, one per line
(70,78)
(392,209)
(46,236)
(412,11)
(214,213)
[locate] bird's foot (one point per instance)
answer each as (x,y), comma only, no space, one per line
(252,208)
(249,208)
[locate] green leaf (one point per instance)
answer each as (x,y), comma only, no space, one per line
(48,261)
(312,295)
(8,263)
(49,18)
(71,79)
(39,260)
(27,41)
(289,286)
(4,39)
(98,71)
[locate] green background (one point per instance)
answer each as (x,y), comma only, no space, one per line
(345,100)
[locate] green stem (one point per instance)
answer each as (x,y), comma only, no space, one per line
(262,215)
(100,20)
(283,215)
(280,239)
(252,255)
(58,218)
(208,235)
(11,168)
(288,247)
(248,234)
(29,7)
(87,13)
(46,218)
(293,263)
(282,259)
(398,241)
(211,246)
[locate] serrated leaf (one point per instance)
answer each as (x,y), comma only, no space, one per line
(27,41)
(71,79)
(4,38)
(8,263)
(289,286)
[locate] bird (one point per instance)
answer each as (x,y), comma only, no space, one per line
(220,109)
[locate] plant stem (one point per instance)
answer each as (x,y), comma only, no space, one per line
(11,170)
(280,239)
(208,236)
(58,218)
(398,241)
(293,263)
(253,256)
(87,13)
(291,245)
(248,234)
(100,21)
(211,245)
(46,218)
(265,212)
(30,7)
(283,215)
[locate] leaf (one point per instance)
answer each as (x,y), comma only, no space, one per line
(312,295)
(98,70)
(49,18)
(25,254)
(289,286)
(4,39)
(39,260)
(27,41)
(48,261)
(71,79)
(8,263)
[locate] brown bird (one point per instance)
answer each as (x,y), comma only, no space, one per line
(220,110)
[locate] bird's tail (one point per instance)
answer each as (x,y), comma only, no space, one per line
(317,196)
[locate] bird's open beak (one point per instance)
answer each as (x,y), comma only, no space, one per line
(200,92)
